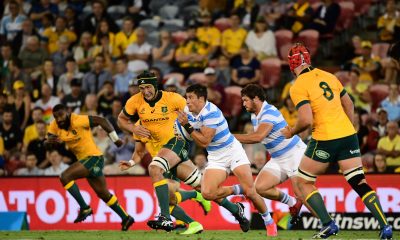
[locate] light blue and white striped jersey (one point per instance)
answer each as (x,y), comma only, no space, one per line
(275,142)
(211,116)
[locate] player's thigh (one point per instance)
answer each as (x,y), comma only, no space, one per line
(75,171)
(245,176)
(184,169)
(175,151)
(312,166)
(350,163)
(98,184)
(266,179)
(212,179)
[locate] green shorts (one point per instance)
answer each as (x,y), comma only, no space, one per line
(94,164)
(181,148)
(333,150)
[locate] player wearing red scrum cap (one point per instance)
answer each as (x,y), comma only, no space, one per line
(322,102)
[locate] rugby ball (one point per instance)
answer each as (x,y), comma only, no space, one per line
(181,132)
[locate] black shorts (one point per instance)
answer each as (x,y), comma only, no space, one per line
(333,150)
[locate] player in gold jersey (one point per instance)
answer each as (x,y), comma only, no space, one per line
(322,102)
(75,131)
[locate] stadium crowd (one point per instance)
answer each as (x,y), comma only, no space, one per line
(87,54)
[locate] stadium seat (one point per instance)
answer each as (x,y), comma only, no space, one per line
(117,11)
(378,93)
(168,12)
(270,72)
(150,24)
(283,37)
(343,76)
(173,25)
(311,39)
(178,37)
(380,49)
(180,78)
(346,17)
(232,106)
(222,24)
(283,53)
(361,7)
(153,38)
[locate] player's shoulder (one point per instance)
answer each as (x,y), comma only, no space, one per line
(135,99)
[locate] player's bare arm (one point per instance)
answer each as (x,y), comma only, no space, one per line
(304,121)
(203,137)
(106,125)
(137,156)
(348,106)
(125,124)
(255,137)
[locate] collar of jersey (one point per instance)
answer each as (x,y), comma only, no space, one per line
(309,69)
(153,102)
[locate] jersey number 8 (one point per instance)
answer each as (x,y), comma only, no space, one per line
(328,94)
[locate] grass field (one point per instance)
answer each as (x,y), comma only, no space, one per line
(153,235)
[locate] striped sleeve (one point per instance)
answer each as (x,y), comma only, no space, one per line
(212,119)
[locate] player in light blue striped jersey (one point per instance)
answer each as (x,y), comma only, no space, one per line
(285,153)
(209,129)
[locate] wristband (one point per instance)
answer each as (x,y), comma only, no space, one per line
(113,136)
(132,163)
(188,128)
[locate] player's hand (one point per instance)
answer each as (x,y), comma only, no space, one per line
(119,143)
(141,131)
(182,117)
(124,165)
(287,132)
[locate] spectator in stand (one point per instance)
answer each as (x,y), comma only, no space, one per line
(223,71)
(389,146)
(215,91)
(325,18)
(47,24)
(90,106)
(25,7)
(123,77)
(298,16)
(94,80)
(45,76)
(36,145)
(362,130)
(10,132)
(116,109)
(83,52)
(101,139)
(200,160)
(248,12)
(138,52)
(105,48)
(367,64)
(273,11)
(258,162)
(245,68)
(125,37)
(47,102)
(208,33)
(370,141)
(382,121)
(21,38)
(32,56)
(389,23)
(30,168)
(92,21)
(191,55)
(132,90)
(261,40)
(380,165)
(31,130)
(164,54)
(11,24)
(60,56)
(53,35)
(233,38)
(391,104)
(15,74)
(289,111)
(103,29)
(57,164)
(21,103)
(358,90)
(73,22)
(105,99)
(40,9)
(64,82)
(6,56)
(74,101)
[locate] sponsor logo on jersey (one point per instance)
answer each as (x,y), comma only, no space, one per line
(155,119)
(164,109)
(322,154)
(355,151)
(142,111)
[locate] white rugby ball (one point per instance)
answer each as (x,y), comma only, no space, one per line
(181,132)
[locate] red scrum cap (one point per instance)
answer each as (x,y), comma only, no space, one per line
(298,55)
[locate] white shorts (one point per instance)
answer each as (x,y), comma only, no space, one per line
(228,158)
(286,165)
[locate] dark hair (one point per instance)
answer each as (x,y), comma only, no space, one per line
(38,108)
(198,90)
(70,59)
(8,109)
(108,83)
(253,90)
(17,62)
(59,107)
(394,51)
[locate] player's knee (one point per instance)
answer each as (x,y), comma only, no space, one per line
(158,165)
(249,191)
(356,178)
(194,178)
(65,178)
(208,194)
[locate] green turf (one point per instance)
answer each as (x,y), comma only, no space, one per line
(160,235)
